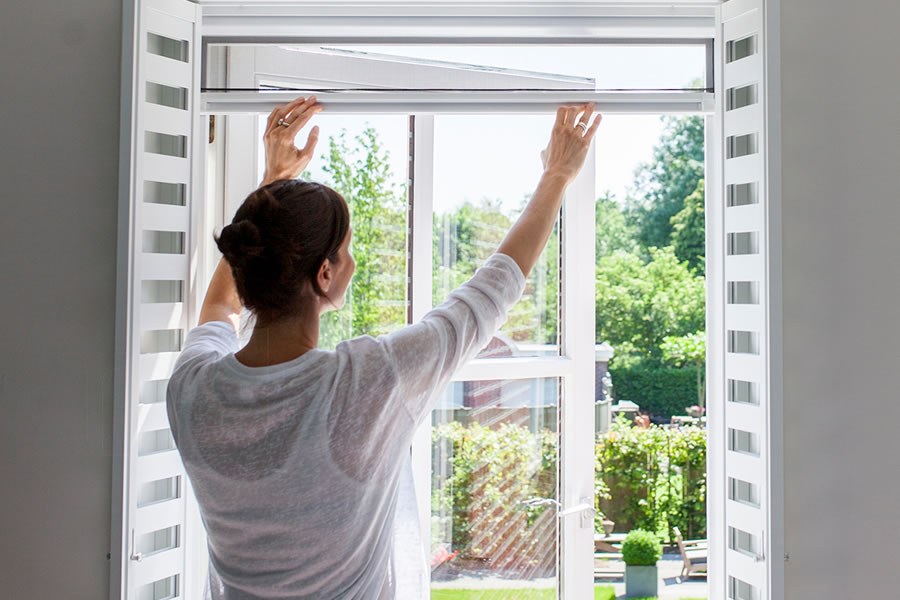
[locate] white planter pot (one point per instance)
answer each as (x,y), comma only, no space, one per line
(641,581)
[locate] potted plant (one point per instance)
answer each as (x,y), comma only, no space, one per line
(640,551)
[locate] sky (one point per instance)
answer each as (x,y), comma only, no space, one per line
(498,156)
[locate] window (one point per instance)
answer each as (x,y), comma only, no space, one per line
(163,256)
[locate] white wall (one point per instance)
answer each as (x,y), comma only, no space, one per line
(59,121)
(841,211)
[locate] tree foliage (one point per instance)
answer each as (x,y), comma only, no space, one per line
(614,232)
(639,305)
(466,236)
(662,184)
(689,230)
(376,301)
(652,479)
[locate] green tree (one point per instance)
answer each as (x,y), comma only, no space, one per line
(662,184)
(614,232)
(466,236)
(689,231)
(376,300)
(688,350)
(640,304)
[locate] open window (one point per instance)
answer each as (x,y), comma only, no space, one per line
(405,68)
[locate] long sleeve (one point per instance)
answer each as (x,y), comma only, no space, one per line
(427,354)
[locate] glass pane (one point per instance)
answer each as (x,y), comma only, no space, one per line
(473,212)
(480,67)
(365,160)
(494,488)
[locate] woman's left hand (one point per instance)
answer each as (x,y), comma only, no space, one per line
(284,160)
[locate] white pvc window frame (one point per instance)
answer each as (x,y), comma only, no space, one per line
(575,367)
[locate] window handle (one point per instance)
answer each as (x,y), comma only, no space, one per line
(135,556)
(761,555)
(585,509)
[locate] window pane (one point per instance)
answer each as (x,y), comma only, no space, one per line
(479,190)
(365,160)
(494,486)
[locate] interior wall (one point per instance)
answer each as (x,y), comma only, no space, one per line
(59,117)
(59,125)
(841,213)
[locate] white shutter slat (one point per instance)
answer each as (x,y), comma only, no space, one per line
(743,368)
(746,267)
(162,217)
(168,71)
(152,417)
(743,218)
(745,517)
(746,568)
(745,417)
(163,316)
(743,120)
(168,120)
(744,317)
(169,21)
(742,169)
(743,466)
(157,366)
(158,167)
(158,466)
(164,266)
(158,566)
(159,516)
(742,72)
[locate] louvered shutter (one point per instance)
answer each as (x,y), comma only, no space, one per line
(161,196)
(745,483)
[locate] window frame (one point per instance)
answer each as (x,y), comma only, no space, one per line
(623,21)
(575,367)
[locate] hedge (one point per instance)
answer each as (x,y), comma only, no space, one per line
(653,479)
(660,392)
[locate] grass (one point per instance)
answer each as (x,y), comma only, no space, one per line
(601,592)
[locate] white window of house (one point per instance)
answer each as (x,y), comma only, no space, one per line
(532,388)
(549,348)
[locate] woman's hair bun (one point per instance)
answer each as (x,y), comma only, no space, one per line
(240,242)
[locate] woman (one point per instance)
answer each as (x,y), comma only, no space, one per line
(296,454)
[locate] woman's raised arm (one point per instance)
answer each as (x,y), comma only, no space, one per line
(563,159)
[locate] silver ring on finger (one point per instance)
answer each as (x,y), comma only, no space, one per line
(583,126)
(283,123)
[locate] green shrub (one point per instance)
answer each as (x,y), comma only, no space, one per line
(641,548)
(652,479)
(662,392)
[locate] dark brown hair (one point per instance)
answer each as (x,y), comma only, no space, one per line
(277,241)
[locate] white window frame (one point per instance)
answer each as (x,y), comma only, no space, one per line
(575,367)
(362,21)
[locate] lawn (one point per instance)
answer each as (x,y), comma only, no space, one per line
(601,592)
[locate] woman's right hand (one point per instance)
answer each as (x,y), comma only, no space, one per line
(570,140)
(284,160)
